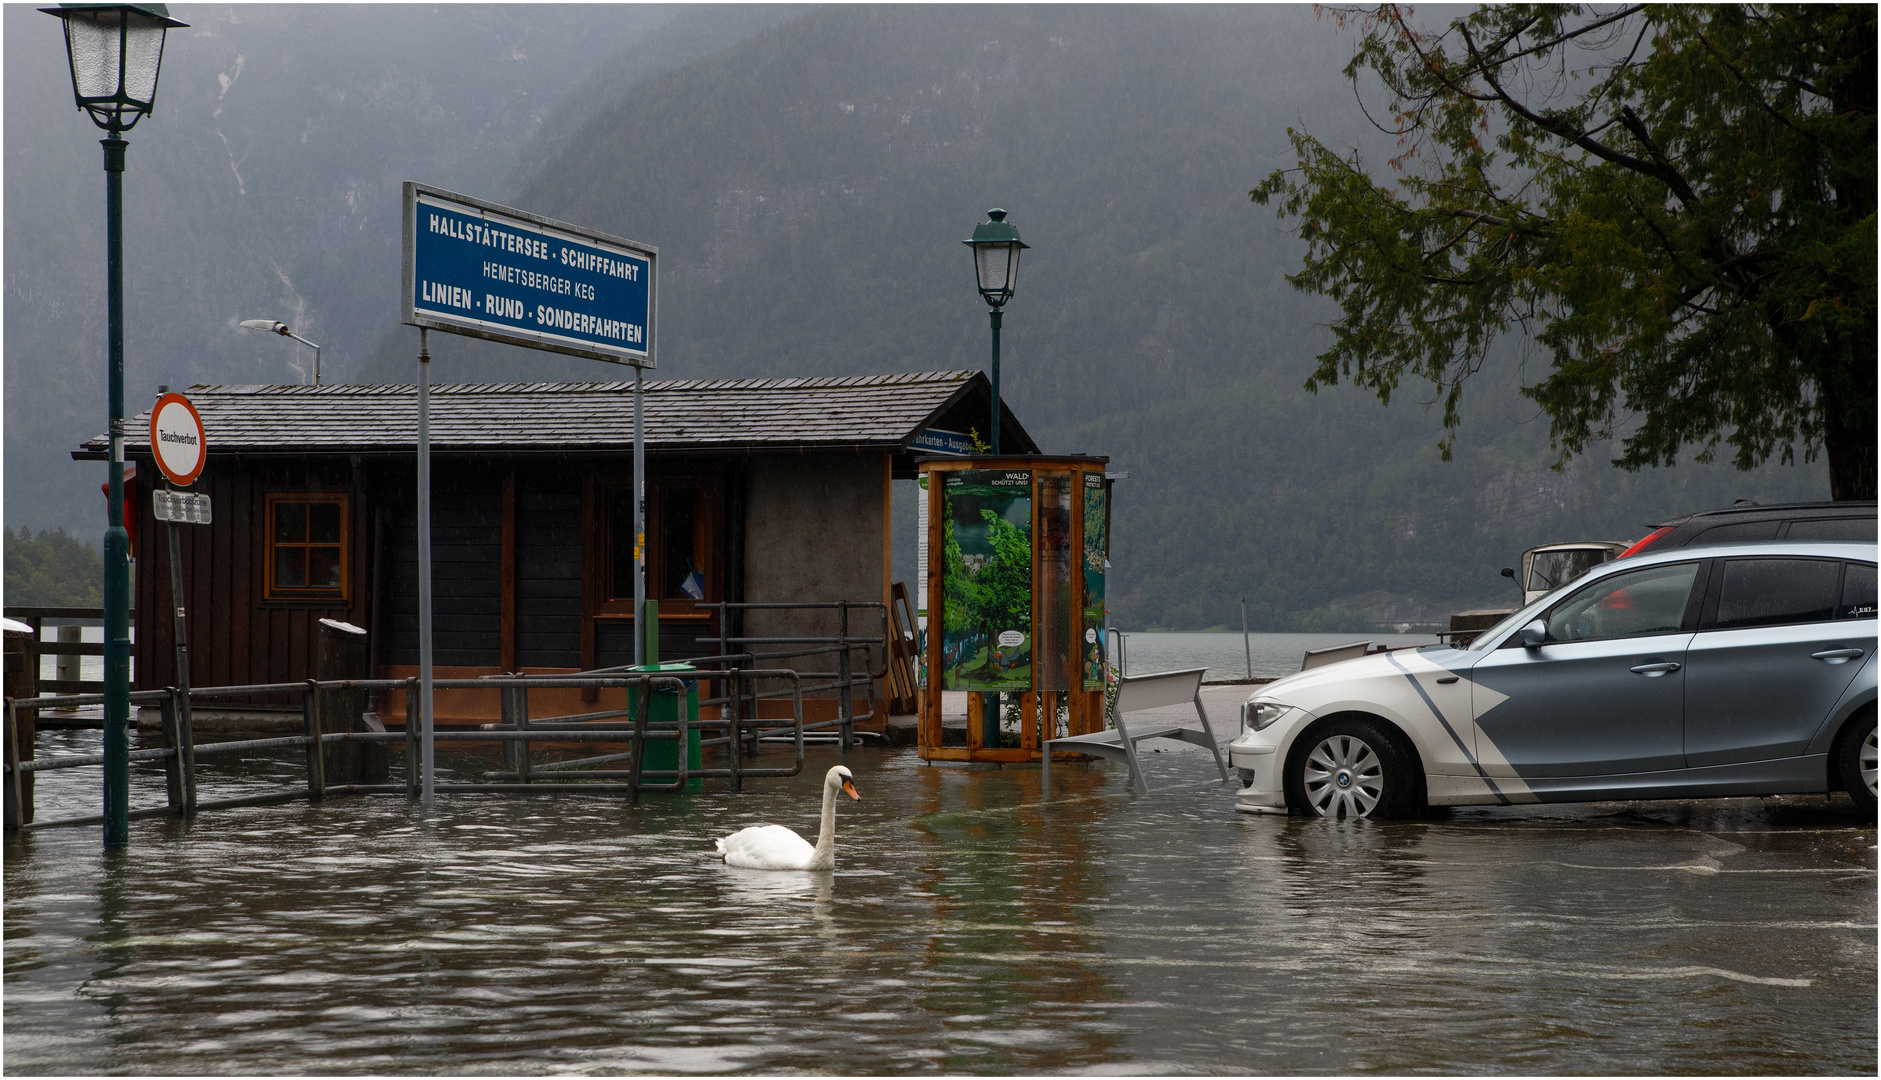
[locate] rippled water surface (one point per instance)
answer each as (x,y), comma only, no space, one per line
(969,928)
(1229,656)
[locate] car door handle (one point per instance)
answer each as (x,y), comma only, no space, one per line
(1835,656)
(1654,670)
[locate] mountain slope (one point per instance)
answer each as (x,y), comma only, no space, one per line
(808,177)
(808,189)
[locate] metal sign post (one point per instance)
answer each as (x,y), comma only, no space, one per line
(640,526)
(428,749)
(181,447)
(482,270)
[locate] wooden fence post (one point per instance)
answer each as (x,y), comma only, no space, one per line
(316,761)
(341,654)
(14,812)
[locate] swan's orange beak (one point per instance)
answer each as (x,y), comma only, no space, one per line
(849,789)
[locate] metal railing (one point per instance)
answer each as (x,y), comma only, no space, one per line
(181,753)
(843,646)
(842,681)
(737,729)
(35,647)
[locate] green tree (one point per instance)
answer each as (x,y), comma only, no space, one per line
(998,594)
(961,598)
(52,570)
(1005,580)
(1677,203)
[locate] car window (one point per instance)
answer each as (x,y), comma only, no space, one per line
(1849,528)
(1741,532)
(1858,592)
(1777,592)
(1520,617)
(1650,601)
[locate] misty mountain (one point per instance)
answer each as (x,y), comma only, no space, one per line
(807,176)
(808,189)
(266,185)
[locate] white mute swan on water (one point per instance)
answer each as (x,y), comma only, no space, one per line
(773,847)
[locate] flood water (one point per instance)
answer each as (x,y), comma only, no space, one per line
(1230,656)
(969,927)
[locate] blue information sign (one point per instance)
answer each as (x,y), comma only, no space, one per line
(940,441)
(488,271)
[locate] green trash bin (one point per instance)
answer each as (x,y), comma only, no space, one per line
(664,708)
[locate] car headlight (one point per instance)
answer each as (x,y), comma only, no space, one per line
(1256,715)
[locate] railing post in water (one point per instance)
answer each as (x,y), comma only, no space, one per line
(846,701)
(11,797)
(172,765)
(638,761)
(748,709)
(186,747)
(316,761)
(411,738)
(516,717)
(521,711)
(734,714)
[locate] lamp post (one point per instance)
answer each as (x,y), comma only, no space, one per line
(996,247)
(271,327)
(115,51)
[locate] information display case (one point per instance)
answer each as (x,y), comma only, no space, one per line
(1014,552)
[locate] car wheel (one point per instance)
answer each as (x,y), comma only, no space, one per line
(1857,759)
(1350,769)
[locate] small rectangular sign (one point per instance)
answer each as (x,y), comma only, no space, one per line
(938,441)
(488,271)
(180,506)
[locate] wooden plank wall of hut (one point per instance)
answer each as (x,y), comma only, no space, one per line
(237,635)
(466,567)
(548,567)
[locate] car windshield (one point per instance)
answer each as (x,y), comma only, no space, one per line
(1553,569)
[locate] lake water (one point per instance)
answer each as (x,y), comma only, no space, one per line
(1273,655)
(971,926)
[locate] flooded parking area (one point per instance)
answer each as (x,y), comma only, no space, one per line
(970,926)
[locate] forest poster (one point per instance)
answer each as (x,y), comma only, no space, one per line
(987,600)
(1096,552)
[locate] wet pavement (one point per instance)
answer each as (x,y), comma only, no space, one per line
(970,927)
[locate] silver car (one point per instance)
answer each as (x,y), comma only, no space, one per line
(1745,669)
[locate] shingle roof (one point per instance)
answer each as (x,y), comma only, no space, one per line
(876,411)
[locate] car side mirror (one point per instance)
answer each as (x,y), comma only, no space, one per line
(1534,635)
(1509,572)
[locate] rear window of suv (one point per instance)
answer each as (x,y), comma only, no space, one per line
(1779,592)
(1858,592)
(1741,532)
(1848,528)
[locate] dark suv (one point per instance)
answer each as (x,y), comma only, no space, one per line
(1747,522)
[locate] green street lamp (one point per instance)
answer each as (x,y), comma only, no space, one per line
(996,247)
(115,51)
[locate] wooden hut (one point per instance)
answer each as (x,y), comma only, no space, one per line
(758,490)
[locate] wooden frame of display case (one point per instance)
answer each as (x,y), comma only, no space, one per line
(1084,708)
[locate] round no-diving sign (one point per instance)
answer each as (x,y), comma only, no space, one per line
(176,437)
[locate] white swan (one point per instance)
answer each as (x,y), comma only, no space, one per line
(773,847)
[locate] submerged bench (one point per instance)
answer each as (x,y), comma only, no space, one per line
(1134,694)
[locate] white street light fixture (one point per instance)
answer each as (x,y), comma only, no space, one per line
(272,327)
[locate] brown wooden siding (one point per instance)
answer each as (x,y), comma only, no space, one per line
(548,568)
(236,635)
